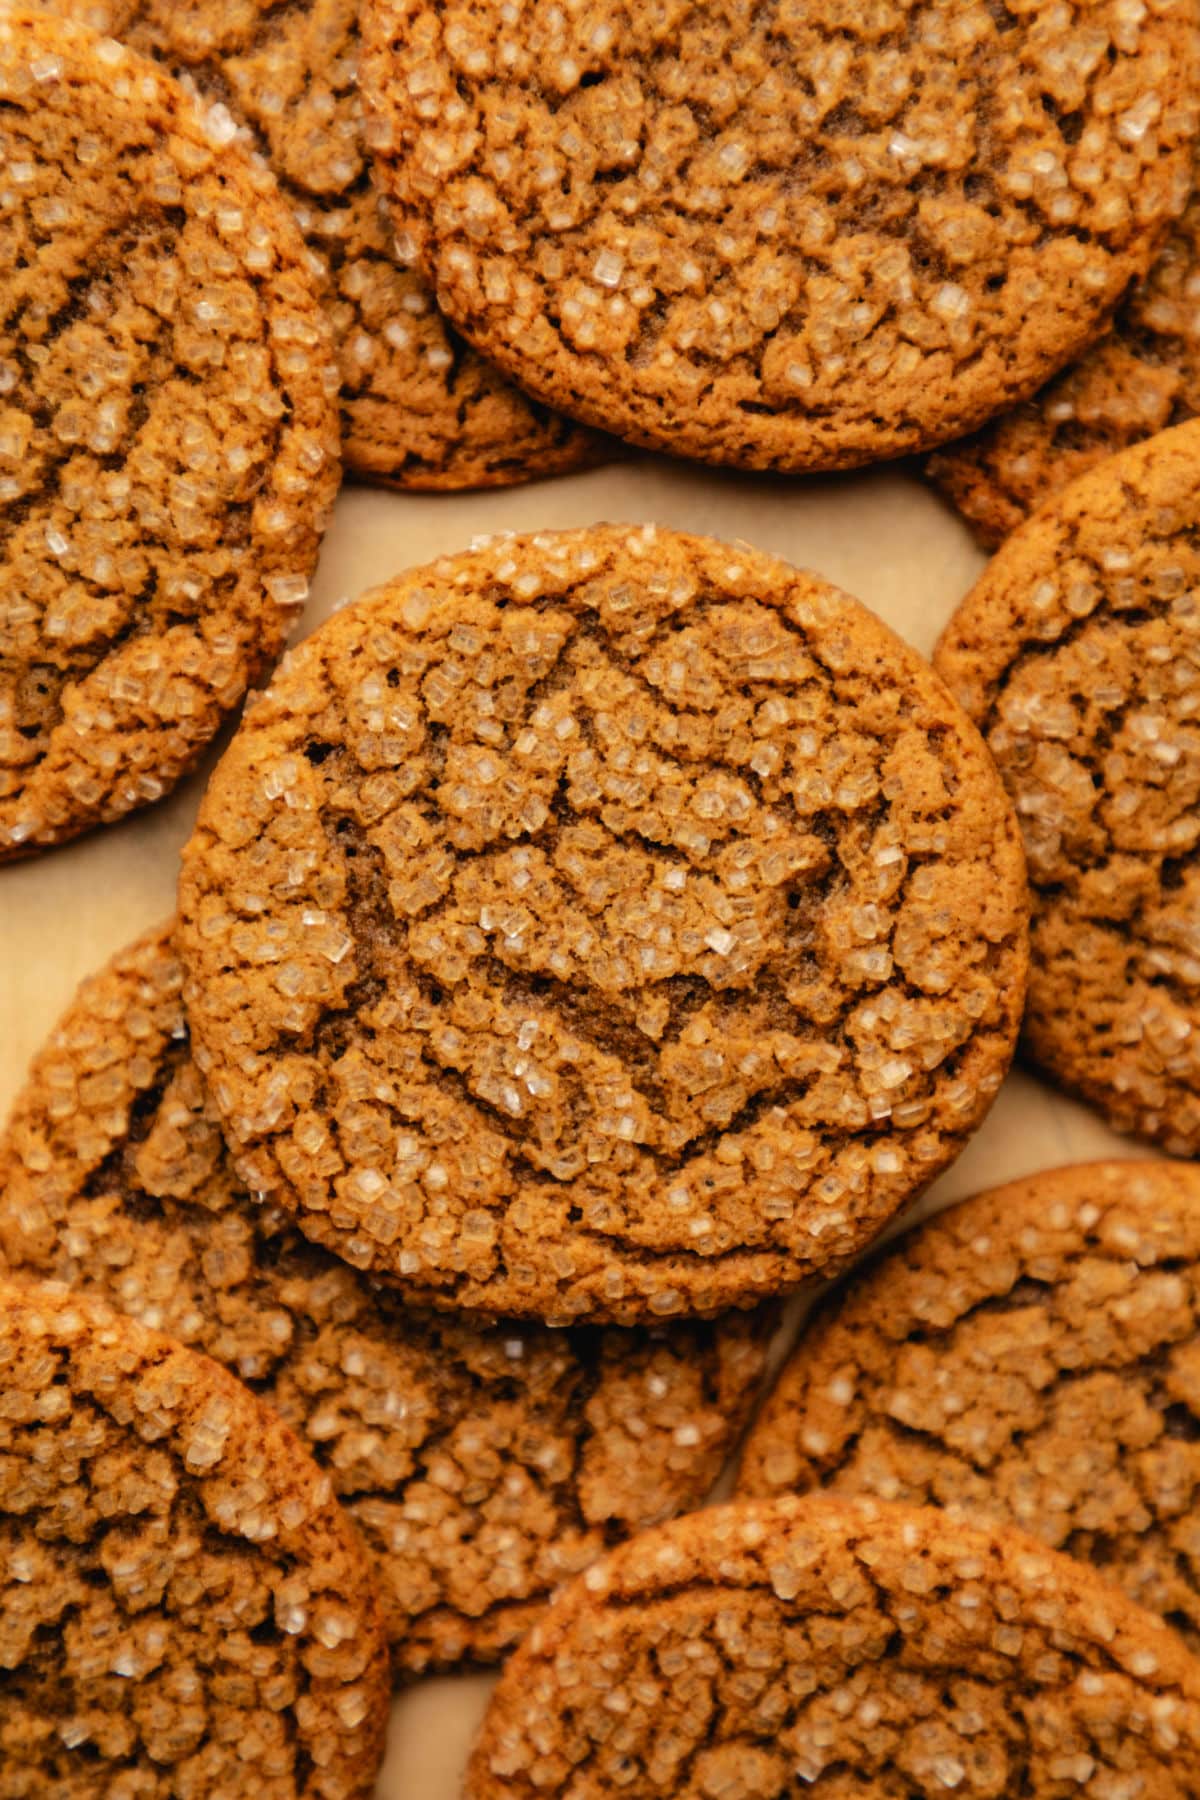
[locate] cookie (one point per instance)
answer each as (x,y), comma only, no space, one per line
(788,237)
(168,428)
(768,1649)
(419,408)
(185,1612)
(1075,654)
(1032,1355)
(606,924)
(1139,379)
(482,1464)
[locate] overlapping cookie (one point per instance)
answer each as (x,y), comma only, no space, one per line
(185,1611)
(1142,376)
(1076,655)
(838,1647)
(1032,1355)
(784,236)
(168,428)
(482,1463)
(419,408)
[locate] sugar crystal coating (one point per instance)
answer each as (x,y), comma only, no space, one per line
(1076,654)
(1142,376)
(775,234)
(185,1612)
(168,428)
(1032,1355)
(419,408)
(482,1464)
(842,1649)
(602,924)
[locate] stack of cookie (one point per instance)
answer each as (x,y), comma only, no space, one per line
(590,939)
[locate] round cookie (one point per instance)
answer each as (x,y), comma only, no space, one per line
(841,1648)
(482,1463)
(419,408)
(1032,1355)
(1140,378)
(168,428)
(1075,654)
(185,1612)
(789,237)
(605,924)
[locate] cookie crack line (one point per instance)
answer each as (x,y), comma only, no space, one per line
(603,1023)
(1065,1380)
(550,993)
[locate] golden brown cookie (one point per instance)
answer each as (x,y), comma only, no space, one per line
(782,236)
(419,408)
(1140,378)
(185,1612)
(605,924)
(168,428)
(482,1463)
(1032,1355)
(848,1650)
(1076,656)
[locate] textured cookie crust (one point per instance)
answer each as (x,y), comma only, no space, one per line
(841,1649)
(1141,378)
(482,1464)
(777,235)
(168,428)
(603,924)
(419,408)
(185,1612)
(1076,654)
(1032,1355)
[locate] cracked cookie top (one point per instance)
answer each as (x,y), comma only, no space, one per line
(168,428)
(841,1648)
(1032,1355)
(1076,654)
(780,235)
(420,409)
(1143,376)
(483,1463)
(185,1612)
(605,924)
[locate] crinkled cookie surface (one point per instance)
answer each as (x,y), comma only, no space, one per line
(1033,1356)
(185,1612)
(1142,376)
(1076,654)
(782,235)
(168,428)
(841,1649)
(607,924)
